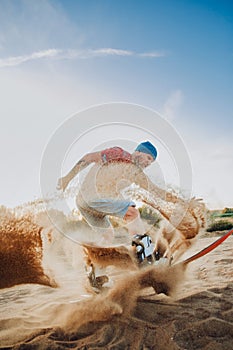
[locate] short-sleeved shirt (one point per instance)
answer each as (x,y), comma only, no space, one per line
(115,154)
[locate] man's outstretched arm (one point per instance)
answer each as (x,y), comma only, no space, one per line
(79,166)
(144,182)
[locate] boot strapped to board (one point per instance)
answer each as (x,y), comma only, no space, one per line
(143,246)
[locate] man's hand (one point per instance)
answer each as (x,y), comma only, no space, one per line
(62,183)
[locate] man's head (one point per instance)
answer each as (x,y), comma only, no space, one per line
(144,154)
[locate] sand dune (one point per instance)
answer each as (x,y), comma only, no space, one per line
(198,314)
(200,321)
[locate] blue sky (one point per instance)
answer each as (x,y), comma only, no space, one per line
(57,57)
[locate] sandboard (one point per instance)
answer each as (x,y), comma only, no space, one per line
(118,255)
(208,249)
(122,256)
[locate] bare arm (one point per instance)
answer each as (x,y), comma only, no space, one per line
(163,194)
(188,216)
(89,158)
(144,182)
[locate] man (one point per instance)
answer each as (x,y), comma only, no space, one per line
(143,156)
(91,202)
(115,169)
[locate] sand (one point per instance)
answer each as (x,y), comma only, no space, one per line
(201,321)
(65,315)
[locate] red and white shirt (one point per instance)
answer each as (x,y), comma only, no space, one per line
(115,154)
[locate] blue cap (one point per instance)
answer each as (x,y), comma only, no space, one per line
(147,147)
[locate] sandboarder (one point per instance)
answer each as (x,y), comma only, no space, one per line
(143,156)
(93,204)
(115,169)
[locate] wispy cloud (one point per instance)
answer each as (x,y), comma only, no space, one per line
(17,60)
(72,55)
(172,104)
(111,52)
(153,54)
